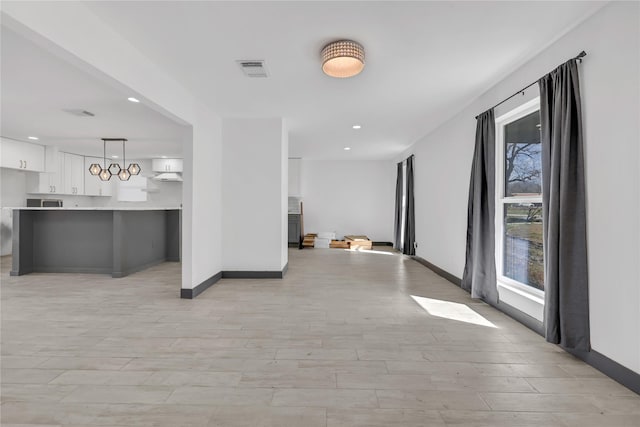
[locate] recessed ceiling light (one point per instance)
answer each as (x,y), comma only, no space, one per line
(347,148)
(35,138)
(114,157)
(132,99)
(356,126)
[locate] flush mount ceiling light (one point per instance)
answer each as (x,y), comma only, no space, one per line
(105,173)
(132,99)
(342,58)
(347,148)
(33,138)
(356,126)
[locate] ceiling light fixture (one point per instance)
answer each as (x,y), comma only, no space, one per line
(356,126)
(105,173)
(342,58)
(132,99)
(347,148)
(33,138)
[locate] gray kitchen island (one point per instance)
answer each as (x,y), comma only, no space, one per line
(94,240)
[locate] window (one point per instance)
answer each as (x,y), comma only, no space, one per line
(519,252)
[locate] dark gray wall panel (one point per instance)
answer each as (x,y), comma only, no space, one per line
(72,241)
(22,239)
(139,239)
(174,235)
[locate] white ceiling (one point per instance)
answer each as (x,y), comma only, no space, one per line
(37,87)
(424,60)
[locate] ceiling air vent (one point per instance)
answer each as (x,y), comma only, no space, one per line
(253,68)
(81,113)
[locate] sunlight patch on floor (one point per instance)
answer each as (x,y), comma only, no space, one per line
(452,310)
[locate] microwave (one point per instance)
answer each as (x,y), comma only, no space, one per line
(44,203)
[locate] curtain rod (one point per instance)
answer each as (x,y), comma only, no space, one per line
(578,58)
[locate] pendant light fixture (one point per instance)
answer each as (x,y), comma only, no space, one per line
(342,58)
(124,174)
(105,173)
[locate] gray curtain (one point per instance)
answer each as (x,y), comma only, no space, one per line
(479,276)
(398,218)
(410,217)
(563,209)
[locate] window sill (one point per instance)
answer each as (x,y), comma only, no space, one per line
(530,302)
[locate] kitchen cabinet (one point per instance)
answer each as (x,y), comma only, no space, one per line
(166,165)
(49,182)
(294,230)
(22,155)
(73,174)
(94,186)
(295,167)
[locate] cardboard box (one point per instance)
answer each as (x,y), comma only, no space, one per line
(339,244)
(359,242)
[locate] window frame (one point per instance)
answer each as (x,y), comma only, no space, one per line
(519,295)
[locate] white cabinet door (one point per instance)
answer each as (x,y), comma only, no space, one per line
(94,186)
(166,165)
(22,155)
(48,182)
(73,174)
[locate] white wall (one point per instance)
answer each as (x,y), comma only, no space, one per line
(107,55)
(610,88)
(254,194)
(349,197)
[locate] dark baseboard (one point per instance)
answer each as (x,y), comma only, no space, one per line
(382,244)
(440,272)
(192,293)
(530,322)
(610,368)
(255,274)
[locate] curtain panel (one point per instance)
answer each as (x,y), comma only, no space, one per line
(563,209)
(410,217)
(479,276)
(398,217)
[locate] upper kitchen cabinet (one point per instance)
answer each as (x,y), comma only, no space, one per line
(74,174)
(166,165)
(51,181)
(21,155)
(93,185)
(295,169)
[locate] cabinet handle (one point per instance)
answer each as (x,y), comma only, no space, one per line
(54,188)
(20,164)
(25,164)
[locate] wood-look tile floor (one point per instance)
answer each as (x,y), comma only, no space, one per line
(346,339)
